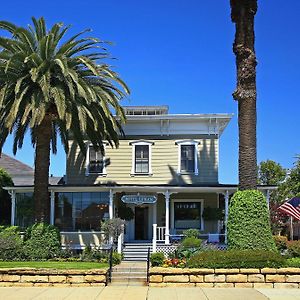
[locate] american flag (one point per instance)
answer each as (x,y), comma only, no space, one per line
(291,207)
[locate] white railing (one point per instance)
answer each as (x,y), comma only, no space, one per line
(121,241)
(161,234)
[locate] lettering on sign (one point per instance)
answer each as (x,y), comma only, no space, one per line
(139,199)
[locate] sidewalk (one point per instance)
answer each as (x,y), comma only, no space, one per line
(143,293)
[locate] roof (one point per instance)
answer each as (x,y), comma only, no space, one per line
(14,166)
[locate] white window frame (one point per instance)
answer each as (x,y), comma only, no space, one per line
(188,143)
(87,162)
(173,201)
(141,143)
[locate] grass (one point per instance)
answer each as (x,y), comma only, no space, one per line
(53,265)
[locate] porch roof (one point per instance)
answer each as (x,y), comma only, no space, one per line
(156,188)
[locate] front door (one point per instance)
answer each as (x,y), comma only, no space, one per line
(141,223)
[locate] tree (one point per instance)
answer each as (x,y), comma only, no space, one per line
(5,205)
(56,87)
(242,14)
(270,173)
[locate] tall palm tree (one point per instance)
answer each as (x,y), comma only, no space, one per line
(52,86)
(242,14)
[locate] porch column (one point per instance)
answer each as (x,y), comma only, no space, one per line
(111,204)
(226,213)
(13,207)
(268,198)
(167,234)
(52,207)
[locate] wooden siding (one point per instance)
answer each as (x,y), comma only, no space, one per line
(164,164)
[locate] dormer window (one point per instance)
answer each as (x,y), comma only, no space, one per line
(141,158)
(95,162)
(187,157)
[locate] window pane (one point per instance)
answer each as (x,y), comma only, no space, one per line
(24,210)
(187,215)
(95,161)
(187,158)
(142,159)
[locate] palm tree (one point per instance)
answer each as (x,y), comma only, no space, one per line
(242,14)
(55,87)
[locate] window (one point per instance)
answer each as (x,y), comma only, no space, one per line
(141,158)
(95,162)
(188,215)
(187,157)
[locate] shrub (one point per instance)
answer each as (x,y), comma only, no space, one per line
(10,243)
(93,254)
(280,242)
(157,259)
(191,242)
(236,259)
(42,241)
(293,248)
(249,222)
(191,233)
(113,228)
(116,258)
(174,263)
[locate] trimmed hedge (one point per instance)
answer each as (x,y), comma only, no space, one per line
(157,259)
(236,259)
(249,222)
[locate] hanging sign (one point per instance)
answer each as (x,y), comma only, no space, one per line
(139,199)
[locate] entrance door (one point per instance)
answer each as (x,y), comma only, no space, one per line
(141,223)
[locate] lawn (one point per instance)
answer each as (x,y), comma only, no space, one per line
(53,265)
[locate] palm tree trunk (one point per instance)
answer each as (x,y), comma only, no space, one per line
(242,14)
(41,175)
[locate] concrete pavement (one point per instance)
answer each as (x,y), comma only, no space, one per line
(143,293)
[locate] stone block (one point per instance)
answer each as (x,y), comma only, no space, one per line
(170,271)
(205,285)
(223,285)
(10,278)
(249,271)
(98,284)
(180,284)
(76,279)
(95,278)
(22,284)
(34,278)
(259,285)
(196,278)
(288,271)
(57,278)
(227,271)
(202,271)
(176,278)
(268,271)
(286,285)
(275,278)
(156,278)
(154,284)
(236,278)
(293,278)
(214,278)
(62,285)
(6,283)
(243,285)
(42,284)
(256,278)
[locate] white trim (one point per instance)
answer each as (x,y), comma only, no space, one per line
(187,200)
(188,143)
(87,161)
(52,207)
(141,143)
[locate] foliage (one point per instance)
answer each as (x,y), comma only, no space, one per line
(5,180)
(10,243)
(293,248)
(249,223)
(191,233)
(270,173)
(113,228)
(281,242)
(293,262)
(236,259)
(191,242)
(157,259)
(125,212)
(278,218)
(93,254)
(116,258)
(174,263)
(212,213)
(42,241)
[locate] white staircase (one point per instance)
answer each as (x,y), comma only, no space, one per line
(136,251)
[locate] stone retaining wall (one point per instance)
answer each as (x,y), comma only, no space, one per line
(248,278)
(52,277)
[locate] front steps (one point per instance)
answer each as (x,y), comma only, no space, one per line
(136,251)
(129,273)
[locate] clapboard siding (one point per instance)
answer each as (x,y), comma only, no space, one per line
(164,164)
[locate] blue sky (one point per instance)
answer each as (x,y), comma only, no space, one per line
(179,53)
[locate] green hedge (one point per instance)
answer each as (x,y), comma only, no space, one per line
(249,222)
(157,259)
(236,259)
